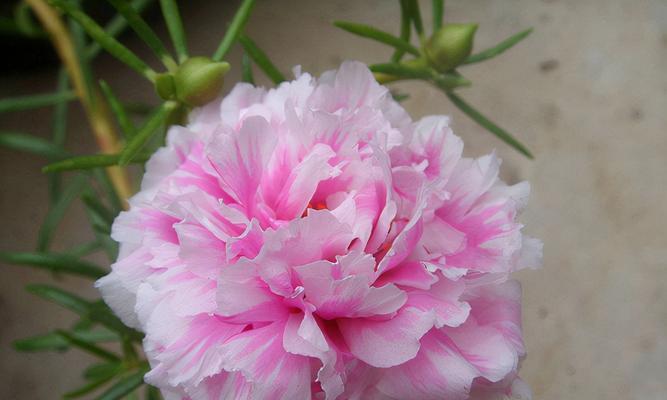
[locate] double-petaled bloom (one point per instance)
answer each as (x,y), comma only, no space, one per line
(312,241)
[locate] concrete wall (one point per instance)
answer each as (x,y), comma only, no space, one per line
(587,92)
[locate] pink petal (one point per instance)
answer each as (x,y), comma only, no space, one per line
(387,343)
(437,372)
(240,159)
(260,356)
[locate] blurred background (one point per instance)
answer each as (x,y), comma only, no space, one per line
(586,92)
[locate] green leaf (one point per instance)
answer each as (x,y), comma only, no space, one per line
(402,71)
(378,35)
(92,161)
(102,178)
(97,371)
(499,48)
(35,101)
(79,40)
(124,121)
(234,29)
(405,30)
(152,393)
(395,71)
(60,109)
(57,211)
(84,249)
(144,134)
(30,144)
(450,80)
(55,342)
(96,312)
(88,387)
(59,131)
(117,25)
(144,31)
(101,217)
(124,386)
(99,312)
(88,347)
(175,26)
(415,16)
(101,335)
(55,263)
(261,59)
(438,10)
(24,23)
(399,97)
(111,45)
(488,125)
(98,375)
(139,108)
(246,69)
(109,245)
(48,342)
(94,204)
(61,297)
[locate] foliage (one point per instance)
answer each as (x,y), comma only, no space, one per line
(101,181)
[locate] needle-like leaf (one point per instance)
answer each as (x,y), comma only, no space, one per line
(138,141)
(378,35)
(172,18)
(88,347)
(96,312)
(100,216)
(61,297)
(438,11)
(144,31)
(97,371)
(57,211)
(79,40)
(30,144)
(54,262)
(48,342)
(55,342)
(488,124)
(116,26)
(35,101)
(405,30)
(234,30)
(499,48)
(246,69)
(124,386)
(416,17)
(124,121)
(111,45)
(59,132)
(92,161)
(402,71)
(152,393)
(261,59)
(84,249)
(89,387)
(102,178)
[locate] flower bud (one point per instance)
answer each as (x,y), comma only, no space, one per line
(164,85)
(450,46)
(199,80)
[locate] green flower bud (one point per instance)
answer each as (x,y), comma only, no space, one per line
(450,46)
(199,80)
(164,85)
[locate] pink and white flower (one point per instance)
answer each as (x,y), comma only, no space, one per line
(311,241)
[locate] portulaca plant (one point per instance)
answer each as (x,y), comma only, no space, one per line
(306,241)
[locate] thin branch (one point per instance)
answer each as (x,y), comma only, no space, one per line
(95,106)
